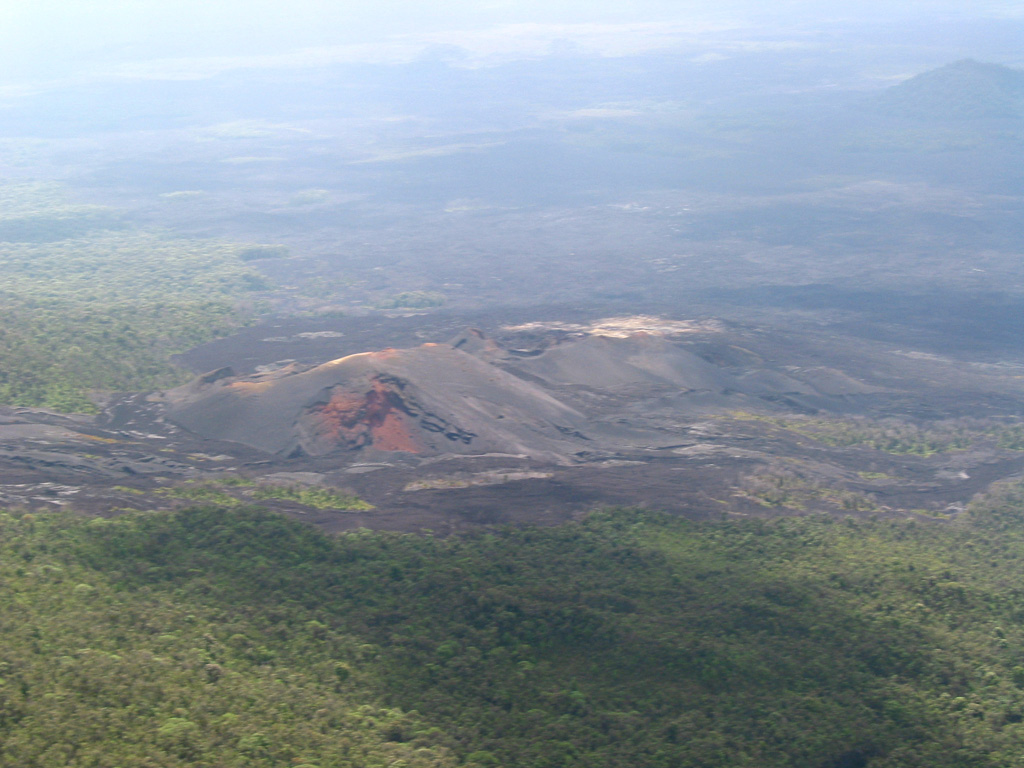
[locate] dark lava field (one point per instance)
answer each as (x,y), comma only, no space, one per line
(444,422)
(716,287)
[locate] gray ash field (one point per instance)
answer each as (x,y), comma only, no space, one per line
(512,422)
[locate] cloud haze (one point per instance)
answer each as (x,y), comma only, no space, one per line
(51,39)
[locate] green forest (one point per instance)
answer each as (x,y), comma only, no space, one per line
(90,303)
(214,636)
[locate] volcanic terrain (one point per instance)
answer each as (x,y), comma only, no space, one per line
(558,396)
(536,422)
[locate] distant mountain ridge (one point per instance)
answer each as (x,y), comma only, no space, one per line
(965,89)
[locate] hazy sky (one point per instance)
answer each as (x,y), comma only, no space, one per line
(42,39)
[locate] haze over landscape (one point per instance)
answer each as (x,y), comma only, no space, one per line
(508,383)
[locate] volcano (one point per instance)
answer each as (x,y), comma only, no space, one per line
(429,400)
(554,397)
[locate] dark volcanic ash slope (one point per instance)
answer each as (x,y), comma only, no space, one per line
(429,400)
(637,360)
(622,370)
(548,418)
(559,398)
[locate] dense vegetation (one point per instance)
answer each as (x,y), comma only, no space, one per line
(787,489)
(412,300)
(89,303)
(234,637)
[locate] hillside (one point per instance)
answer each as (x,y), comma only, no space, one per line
(963,90)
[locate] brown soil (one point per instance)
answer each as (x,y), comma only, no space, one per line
(372,420)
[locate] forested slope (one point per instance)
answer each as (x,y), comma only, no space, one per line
(90,303)
(221,637)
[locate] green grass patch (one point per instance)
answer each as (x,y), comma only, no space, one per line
(205,493)
(126,489)
(316,497)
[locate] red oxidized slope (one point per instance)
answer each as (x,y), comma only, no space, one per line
(370,420)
